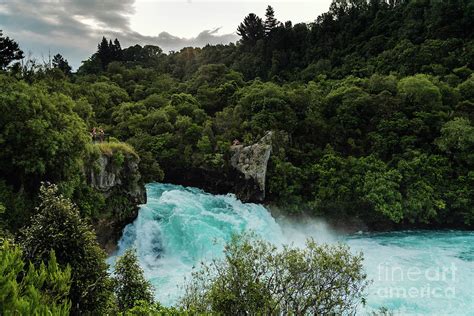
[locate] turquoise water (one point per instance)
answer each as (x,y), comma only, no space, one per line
(418,273)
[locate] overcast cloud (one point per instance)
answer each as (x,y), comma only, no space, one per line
(74,27)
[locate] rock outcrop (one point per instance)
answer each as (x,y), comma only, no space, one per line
(244,172)
(115,175)
(251,161)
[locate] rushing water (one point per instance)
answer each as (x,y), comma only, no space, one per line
(420,272)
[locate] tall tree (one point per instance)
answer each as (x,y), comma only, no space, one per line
(104,52)
(58,226)
(270,21)
(131,287)
(251,29)
(108,51)
(116,50)
(61,63)
(9,51)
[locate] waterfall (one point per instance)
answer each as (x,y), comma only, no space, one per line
(180,227)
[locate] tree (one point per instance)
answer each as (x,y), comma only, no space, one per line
(61,63)
(116,50)
(108,51)
(270,21)
(420,93)
(41,290)
(251,29)
(42,138)
(131,287)
(9,51)
(457,137)
(256,278)
(104,52)
(58,226)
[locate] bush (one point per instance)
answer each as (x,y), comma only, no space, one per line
(33,291)
(131,286)
(255,278)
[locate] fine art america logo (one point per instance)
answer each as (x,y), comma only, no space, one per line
(414,282)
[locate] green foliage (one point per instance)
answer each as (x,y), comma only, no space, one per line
(419,92)
(256,278)
(143,308)
(41,136)
(131,287)
(457,138)
(9,51)
(116,148)
(41,290)
(423,182)
(16,207)
(352,184)
(62,64)
(58,226)
(251,29)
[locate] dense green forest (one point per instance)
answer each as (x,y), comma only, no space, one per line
(372,106)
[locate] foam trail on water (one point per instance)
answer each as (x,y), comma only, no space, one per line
(180,227)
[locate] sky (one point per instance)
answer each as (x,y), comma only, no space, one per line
(73,28)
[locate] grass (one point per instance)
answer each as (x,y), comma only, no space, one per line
(109,148)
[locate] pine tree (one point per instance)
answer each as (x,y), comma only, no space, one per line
(116,50)
(270,21)
(251,29)
(104,52)
(108,51)
(9,51)
(61,63)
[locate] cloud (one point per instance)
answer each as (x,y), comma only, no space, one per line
(74,27)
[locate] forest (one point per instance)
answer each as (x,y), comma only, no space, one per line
(372,105)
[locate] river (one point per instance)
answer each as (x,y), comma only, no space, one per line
(413,272)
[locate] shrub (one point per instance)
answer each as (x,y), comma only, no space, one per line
(255,278)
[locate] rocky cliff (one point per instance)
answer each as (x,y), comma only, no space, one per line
(115,175)
(251,162)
